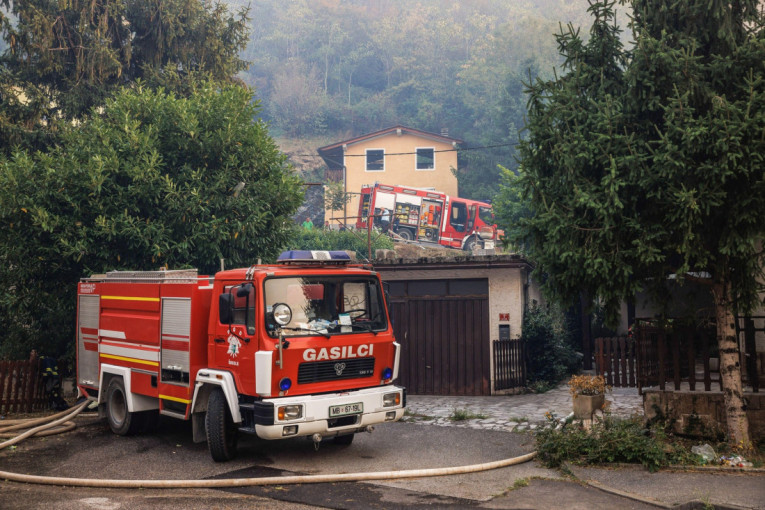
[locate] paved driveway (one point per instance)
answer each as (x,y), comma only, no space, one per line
(511,412)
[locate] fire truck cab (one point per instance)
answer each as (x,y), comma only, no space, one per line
(302,347)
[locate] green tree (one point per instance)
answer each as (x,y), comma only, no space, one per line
(154,180)
(510,206)
(63,58)
(645,164)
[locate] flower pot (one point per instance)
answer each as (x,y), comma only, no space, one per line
(585,405)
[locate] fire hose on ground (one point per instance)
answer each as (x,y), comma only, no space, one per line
(61,422)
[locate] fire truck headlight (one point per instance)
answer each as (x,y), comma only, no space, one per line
(285,384)
(391,399)
(290,412)
(282,314)
(387,373)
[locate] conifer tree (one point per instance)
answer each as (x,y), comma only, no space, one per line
(647,163)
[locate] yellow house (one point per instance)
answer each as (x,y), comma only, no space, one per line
(397,156)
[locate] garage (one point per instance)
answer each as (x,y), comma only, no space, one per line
(443,328)
(447,315)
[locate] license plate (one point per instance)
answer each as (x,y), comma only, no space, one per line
(346,409)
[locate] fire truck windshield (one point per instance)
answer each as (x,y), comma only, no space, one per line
(486,215)
(324,305)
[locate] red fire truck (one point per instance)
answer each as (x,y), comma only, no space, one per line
(428,216)
(302,347)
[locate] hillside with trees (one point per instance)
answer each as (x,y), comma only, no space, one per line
(331,69)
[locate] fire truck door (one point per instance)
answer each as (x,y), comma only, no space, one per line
(176,330)
(231,340)
(87,340)
(471,217)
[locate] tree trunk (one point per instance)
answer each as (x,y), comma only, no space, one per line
(730,368)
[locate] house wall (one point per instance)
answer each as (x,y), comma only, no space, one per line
(399,169)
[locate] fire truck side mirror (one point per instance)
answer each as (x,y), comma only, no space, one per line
(226,308)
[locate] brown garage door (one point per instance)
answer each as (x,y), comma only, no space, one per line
(443,328)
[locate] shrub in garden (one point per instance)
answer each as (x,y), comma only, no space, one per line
(355,241)
(611,440)
(550,355)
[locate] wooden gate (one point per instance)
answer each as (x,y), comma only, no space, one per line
(443,328)
(616,361)
(509,364)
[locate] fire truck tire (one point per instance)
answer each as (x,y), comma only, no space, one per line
(220,428)
(472,242)
(406,234)
(344,440)
(121,421)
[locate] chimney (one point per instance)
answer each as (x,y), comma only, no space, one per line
(444,131)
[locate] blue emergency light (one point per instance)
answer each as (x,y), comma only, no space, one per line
(302,256)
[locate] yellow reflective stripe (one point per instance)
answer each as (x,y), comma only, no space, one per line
(131,298)
(132,360)
(175,399)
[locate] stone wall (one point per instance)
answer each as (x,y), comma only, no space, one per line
(701,414)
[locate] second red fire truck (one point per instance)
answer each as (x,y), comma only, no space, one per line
(302,347)
(429,216)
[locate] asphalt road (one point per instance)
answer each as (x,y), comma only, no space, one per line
(92,451)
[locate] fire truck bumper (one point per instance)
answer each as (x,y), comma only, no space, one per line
(330,414)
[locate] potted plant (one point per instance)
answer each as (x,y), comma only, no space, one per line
(589,392)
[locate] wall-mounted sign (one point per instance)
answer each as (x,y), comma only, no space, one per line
(504,316)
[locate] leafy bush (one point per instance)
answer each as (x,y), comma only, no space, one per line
(150,180)
(355,241)
(612,440)
(550,356)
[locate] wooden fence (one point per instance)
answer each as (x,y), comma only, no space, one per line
(21,387)
(616,361)
(676,358)
(509,364)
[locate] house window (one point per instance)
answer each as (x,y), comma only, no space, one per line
(426,158)
(375,160)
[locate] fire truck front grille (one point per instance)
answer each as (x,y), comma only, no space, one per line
(334,370)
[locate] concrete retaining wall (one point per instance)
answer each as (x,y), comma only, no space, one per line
(701,413)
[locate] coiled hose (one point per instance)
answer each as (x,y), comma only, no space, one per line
(61,422)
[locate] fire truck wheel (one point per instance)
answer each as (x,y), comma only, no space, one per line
(220,428)
(121,421)
(471,243)
(406,234)
(344,440)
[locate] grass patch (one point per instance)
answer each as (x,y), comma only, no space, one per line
(465,414)
(520,483)
(410,417)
